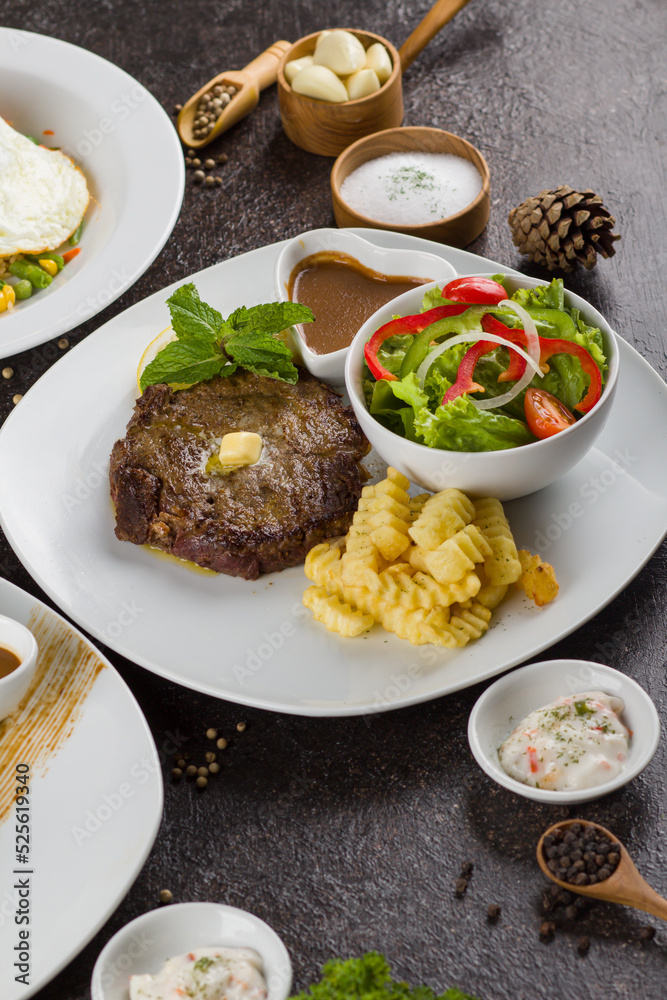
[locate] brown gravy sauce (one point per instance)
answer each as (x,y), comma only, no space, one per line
(9,661)
(66,671)
(342,294)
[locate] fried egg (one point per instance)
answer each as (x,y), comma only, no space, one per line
(43,195)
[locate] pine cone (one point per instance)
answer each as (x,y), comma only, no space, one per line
(563,228)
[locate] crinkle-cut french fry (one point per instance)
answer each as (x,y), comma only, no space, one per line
(416,504)
(502,566)
(385,502)
(413,626)
(538,578)
(444,594)
(319,562)
(396,589)
(334,615)
(458,555)
(469,623)
(400,567)
(489,594)
(397,478)
(390,541)
(442,516)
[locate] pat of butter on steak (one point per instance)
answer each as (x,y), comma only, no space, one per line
(250,520)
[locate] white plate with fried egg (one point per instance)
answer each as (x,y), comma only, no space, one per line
(107,128)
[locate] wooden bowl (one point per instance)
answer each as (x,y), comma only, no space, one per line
(327,128)
(456,230)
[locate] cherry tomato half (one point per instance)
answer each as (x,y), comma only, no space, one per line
(474,291)
(545,414)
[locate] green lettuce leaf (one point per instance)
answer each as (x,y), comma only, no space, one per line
(460,426)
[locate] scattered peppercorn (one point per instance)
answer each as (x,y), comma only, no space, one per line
(209,756)
(223,158)
(17,398)
(7,372)
(191,771)
(583,945)
(63,343)
(176,773)
(218,181)
(211,734)
(201,782)
(492,912)
(241,727)
(165,896)
(190,152)
(222,743)
(209,181)
(198,176)
(646,933)
(214,768)
(209,164)
(202,772)
(196,162)
(547,929)
(581,854)
(181,762)
(177,108)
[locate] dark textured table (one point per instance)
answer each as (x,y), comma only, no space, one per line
(347,835)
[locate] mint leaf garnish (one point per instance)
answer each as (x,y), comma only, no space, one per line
(208,345)
(191,318)
(272,317)
(262,354)
(185,362)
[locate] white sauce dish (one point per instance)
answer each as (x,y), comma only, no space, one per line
(512,698)
(412,263)
(20,641)
(144,945)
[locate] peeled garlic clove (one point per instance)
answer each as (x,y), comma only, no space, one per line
(377,58)
(320,83)
(361,84)
(293,67)
(340,51)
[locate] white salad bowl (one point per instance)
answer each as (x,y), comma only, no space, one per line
(509,700)
(14,686)
(414,263)
(505,474)
(145,944)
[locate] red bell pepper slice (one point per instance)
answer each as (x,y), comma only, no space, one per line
(475,291)
(404,324)
(548,347)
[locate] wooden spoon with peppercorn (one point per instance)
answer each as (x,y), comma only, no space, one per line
(227,98)
(592,861)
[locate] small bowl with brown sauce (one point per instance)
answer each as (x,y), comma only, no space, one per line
(343,278)
(18,661)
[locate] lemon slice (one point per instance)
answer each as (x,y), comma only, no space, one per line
(151,352)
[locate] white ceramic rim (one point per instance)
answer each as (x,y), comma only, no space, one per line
(495,771)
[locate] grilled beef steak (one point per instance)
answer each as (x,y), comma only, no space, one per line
(254,519)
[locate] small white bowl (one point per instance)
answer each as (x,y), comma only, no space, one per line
(20,641)
(509,700)
(506,474)
(144,945)
(415,263)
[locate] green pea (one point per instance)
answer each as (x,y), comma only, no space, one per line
(76,235)
(37,277)
(23,289)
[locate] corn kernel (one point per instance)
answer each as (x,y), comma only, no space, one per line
(9,295)
(3,303)
(49,266)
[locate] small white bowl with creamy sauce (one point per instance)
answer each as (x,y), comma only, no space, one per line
(512,699)
(143,946)
(329,365)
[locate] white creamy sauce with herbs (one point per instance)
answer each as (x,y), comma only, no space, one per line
(205,974)
(578,741)
(412,189)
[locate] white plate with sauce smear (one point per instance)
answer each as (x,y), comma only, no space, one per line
(128,149)
(95,800)
(254,643)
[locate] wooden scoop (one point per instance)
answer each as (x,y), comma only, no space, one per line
(625,886)
(257,75)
